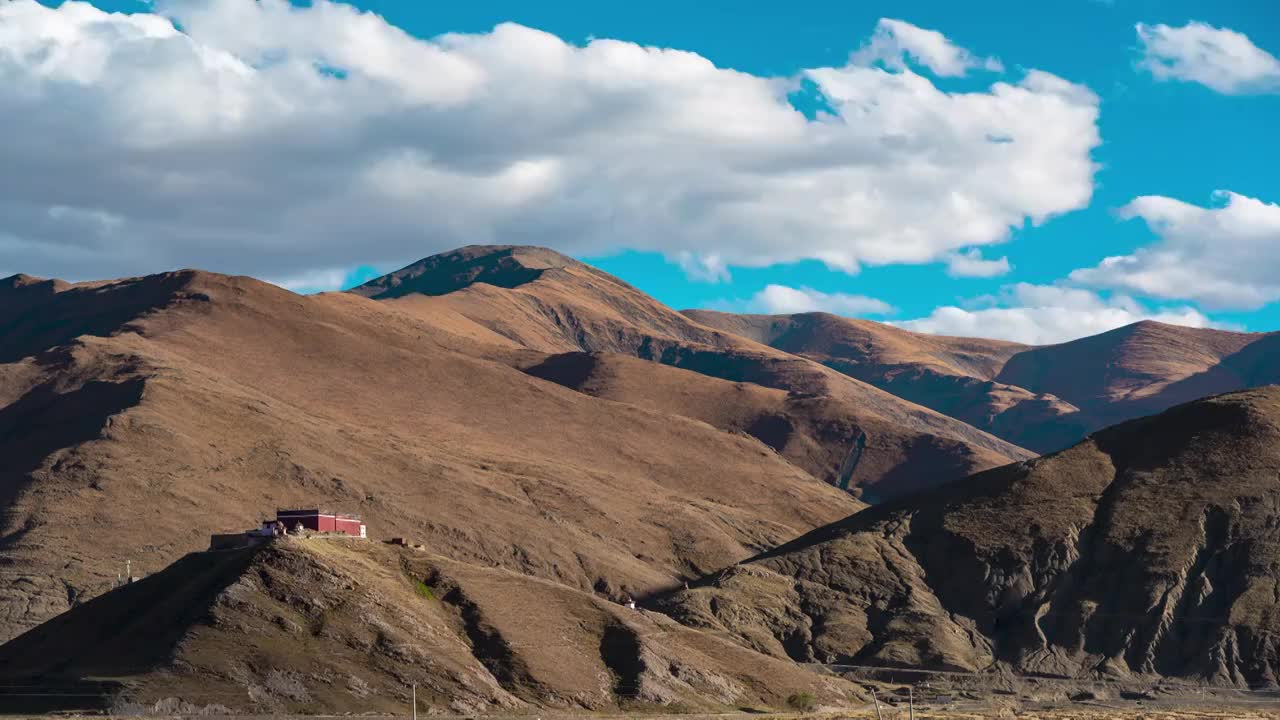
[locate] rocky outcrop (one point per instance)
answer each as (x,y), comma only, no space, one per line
(1150,549)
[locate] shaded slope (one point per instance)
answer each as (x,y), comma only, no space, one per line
(952,375)
(505,266)
(549,304)
(1152,548)
(1041,398)
(224,398)
(1136,370)
(814,432)
(336,626)
(864,342)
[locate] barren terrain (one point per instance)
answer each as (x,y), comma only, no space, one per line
(1149,550)
(558,442)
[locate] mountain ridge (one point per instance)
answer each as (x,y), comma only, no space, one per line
(1027,395)
(577,309)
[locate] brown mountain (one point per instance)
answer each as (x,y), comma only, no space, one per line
(954,376)
(1143,368)
(528,302)
(310,626)
(1041,398)
(138,416)
(1150,549)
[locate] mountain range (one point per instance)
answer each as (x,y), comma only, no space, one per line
(555,438)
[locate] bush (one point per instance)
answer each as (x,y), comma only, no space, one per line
(423,590)
(802,701)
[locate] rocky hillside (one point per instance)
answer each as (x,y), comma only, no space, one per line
(1152,548)
(315,626)
(1041,398)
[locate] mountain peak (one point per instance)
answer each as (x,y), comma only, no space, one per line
(22,280)
(505,266)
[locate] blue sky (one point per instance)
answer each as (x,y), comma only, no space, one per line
(1180,136)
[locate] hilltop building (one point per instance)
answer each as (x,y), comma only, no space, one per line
(320,521)
(293,522)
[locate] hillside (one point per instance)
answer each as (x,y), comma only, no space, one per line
(813,432)
(1041,398)
(308,626)
(1150,549)
(529,303)
(954,376)
(138,416)
(865,342)
(1141,368)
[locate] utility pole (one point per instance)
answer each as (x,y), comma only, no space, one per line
(911,702)
(877,702)
(415,701)
(128,571)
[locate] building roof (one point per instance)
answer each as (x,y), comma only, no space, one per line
(292,513)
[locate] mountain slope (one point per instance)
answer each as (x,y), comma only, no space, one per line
(147,413)
(952,375)
(307,626)
(539,299)
(814,432)
(543,303)
(1041,398)
(1151,548)
(1137,369)
(864,342)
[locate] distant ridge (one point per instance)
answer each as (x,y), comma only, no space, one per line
(1042,398)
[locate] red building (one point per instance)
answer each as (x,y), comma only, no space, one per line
(320,521)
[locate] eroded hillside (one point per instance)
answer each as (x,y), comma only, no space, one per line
(1152,548)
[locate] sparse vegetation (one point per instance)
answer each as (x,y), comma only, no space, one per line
(802,701)
(423,591)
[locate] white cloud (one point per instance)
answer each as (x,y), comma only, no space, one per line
(896,41)
(1045,314)
(313,280)
(970,263)
(709,267)
(1222,59)
(1224,255)
(275,140)
(784,300)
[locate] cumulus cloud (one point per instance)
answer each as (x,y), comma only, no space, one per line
(970,263)
(1046,314)
(273,139)
(1222,59)
(785,300)
(894,42)
(1223,255)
